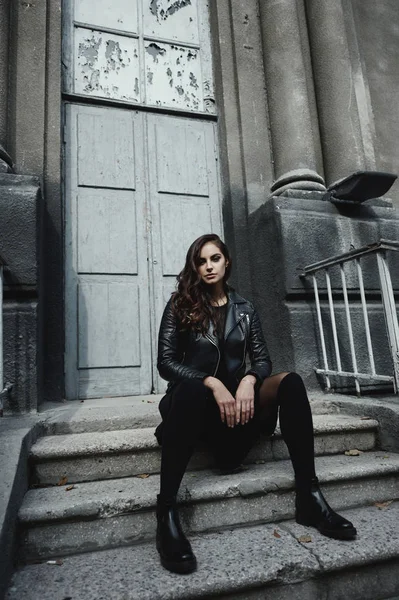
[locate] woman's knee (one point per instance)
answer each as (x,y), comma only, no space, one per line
(291,381)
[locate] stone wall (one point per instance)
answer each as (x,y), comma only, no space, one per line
(21,210)
(30,130)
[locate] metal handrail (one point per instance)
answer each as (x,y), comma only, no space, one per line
(346,256)
(389,307)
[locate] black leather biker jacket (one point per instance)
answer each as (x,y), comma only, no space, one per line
(191,355)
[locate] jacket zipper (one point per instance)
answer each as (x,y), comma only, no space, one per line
(212,342)
(246,316)
(245,341)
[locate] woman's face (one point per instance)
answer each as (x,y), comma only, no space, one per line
(212,264)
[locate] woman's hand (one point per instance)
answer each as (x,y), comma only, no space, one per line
(245,396)
(224,400)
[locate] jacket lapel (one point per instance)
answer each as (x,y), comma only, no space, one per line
(231,316)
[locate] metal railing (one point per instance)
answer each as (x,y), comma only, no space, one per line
(389,308)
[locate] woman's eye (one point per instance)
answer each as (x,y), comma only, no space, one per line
(216,259)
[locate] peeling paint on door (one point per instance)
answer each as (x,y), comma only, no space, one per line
(163,10)
(155,51)
(128,66)
(173,73)
(106,65)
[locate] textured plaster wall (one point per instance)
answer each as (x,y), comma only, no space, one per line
(377,25)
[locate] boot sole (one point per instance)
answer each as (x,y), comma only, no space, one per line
(183,568)
(344,534)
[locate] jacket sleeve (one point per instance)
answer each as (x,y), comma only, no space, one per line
(169,365)
(261,365)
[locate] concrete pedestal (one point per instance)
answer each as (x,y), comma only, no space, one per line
(286,235)
(20,235)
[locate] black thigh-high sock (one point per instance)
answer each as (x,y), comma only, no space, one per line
(297,428)
(181,431)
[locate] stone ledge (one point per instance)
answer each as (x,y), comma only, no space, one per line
(241,563)
(124,453)
(131,412)
(93,443)
(112,497)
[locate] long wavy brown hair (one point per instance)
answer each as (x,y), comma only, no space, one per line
(192,300)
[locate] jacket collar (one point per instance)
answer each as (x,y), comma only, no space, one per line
(235,298)
(231,315)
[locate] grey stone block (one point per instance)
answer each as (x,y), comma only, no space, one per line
(21,215)
(242,563)
(21,356)
(285,300)
(100,414)
(118,512)
(112,454)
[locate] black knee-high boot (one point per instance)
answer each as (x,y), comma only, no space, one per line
(297,430)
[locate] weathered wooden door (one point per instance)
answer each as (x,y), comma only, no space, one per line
(184,198)
(139,185)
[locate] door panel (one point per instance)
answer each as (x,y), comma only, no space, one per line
(106,148)
(118,14)
(108,324)
(184,193)
(108,349)
(108,247)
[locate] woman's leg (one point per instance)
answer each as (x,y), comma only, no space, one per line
(182,427)
(288,392)
(181,431)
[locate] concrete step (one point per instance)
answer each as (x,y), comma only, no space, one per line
(130,412)
(118,512)
(122,453)
(243,564)
(100,414)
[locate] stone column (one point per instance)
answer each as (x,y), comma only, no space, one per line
(27,92)
(294,127)
(4,38)
(336,92)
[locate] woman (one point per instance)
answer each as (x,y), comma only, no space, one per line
(207,330)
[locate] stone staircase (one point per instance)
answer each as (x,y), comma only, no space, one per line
(99,521)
